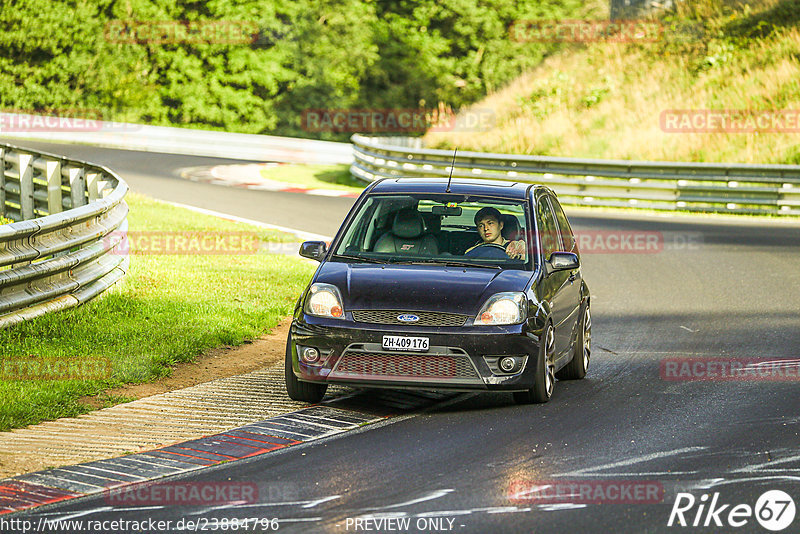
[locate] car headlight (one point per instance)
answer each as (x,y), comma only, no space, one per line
(503,308)
(325,301)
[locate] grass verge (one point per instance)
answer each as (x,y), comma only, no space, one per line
(167,310)
(336,177)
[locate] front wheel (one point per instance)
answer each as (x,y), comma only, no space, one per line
(545,378)
(582,350)
(297,390)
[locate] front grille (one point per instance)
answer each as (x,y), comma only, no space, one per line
(425,318)
(357,364)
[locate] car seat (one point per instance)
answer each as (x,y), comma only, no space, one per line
(408,236)
(511,229)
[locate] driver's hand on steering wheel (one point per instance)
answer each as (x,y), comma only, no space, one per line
(516,250)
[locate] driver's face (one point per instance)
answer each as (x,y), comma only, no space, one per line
(489,230)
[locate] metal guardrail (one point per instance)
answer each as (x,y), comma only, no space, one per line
(61,251)
(696,187)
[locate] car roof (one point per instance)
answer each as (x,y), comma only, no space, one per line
(458,186)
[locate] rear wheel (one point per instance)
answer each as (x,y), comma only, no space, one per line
(297,390)
(582,350)
(545,378)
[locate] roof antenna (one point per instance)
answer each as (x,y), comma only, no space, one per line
(451,170)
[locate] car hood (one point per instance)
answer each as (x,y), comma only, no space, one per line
(419,287)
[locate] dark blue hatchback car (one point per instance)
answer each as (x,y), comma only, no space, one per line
(469,285)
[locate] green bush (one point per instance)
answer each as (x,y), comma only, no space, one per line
(307,54)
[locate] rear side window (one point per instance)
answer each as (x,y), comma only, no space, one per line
(547,227)
(564,228)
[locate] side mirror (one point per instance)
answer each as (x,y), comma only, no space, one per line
(313,250)
(563,261)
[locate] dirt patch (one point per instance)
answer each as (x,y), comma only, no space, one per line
(220,362)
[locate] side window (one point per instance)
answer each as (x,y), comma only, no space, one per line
(547,227)
(564,228)
(354,240)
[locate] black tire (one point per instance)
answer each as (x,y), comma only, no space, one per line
(544,379)
(297,390)
(582,350)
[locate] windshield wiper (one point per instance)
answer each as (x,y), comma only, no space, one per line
(359,258)
(448,263)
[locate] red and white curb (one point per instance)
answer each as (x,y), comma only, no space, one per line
(248,176)
(123,474)
(55,485)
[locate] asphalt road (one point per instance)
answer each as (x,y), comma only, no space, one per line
(158,175)
(723,289)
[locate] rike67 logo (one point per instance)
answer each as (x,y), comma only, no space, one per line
(774,510)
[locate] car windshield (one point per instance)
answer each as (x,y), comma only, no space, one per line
(440,229)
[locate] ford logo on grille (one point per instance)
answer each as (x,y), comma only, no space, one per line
(407,318)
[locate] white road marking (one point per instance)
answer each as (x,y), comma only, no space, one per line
(84,513)
(689,329)
(757,467)
(429,497)
(632,461)
(558,507)
(724,482)
(304,504)
(443,513)
(307,236)
(502,510)
(312,504)
(637,474)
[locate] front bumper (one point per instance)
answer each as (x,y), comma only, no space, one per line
(459,358)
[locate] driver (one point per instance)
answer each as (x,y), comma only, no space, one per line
(490,227)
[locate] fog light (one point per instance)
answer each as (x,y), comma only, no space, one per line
(507,364)
(310,355)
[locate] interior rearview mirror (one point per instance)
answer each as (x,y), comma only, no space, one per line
(453,211)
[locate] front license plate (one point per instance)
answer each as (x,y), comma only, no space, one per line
(419,344)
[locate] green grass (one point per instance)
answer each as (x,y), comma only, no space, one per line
(315,176)
(167,310)
(151,215)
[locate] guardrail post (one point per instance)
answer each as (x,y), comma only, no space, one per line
(52,174)
(26,186)
(91,185)
(77,187)
(2,182)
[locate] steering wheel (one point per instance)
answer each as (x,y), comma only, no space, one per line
(489,251)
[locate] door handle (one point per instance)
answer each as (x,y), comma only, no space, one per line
(571,278)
